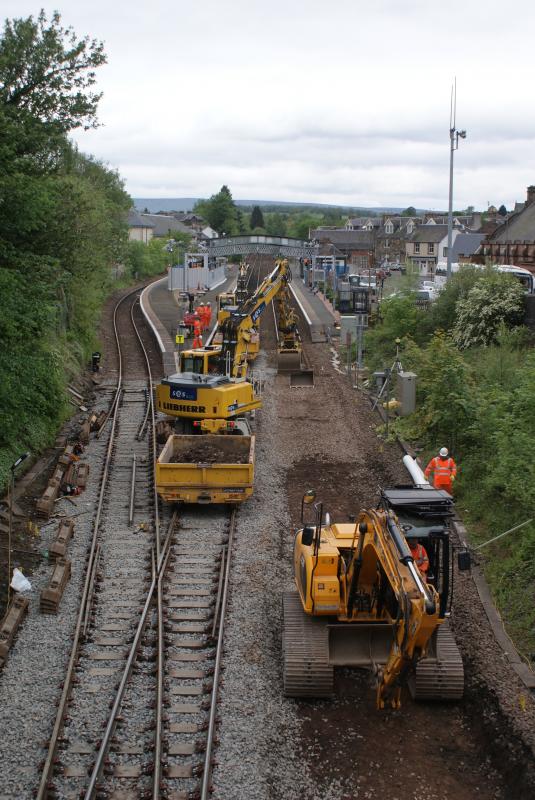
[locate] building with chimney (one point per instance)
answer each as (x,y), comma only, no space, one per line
(512,242)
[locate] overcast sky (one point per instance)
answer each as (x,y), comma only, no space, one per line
(342,102)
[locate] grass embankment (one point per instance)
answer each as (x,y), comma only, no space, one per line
(476,395)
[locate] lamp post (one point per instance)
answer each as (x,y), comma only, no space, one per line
(14,466)
(455,135)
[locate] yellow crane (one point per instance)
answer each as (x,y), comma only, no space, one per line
(212,386)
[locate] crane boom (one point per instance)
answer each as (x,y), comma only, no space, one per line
(235,328)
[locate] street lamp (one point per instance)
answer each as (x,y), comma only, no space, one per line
(455,135)
(14,466)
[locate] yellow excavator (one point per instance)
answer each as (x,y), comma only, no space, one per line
(212,386)
(360,601)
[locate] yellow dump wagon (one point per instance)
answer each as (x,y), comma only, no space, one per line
(212,468)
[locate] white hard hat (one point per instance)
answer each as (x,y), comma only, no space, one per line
(443,452)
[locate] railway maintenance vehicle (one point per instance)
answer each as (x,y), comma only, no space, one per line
(360,600)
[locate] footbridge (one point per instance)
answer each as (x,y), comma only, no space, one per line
(284,246)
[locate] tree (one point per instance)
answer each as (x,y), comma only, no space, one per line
(257,218)
(275,224)
(300,225)
(443,312)
(220,211)
(494,301)
(46,72)
(409,212)
(502,211)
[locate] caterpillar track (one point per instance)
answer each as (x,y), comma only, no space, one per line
(439,676)
(307,672)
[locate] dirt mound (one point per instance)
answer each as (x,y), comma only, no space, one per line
(205,453)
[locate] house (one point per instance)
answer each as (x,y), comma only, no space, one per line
(425,245)
(463,248)
(190,220)
(139,229)
(357,246)
(392,237)
(363,224)
(512,242)
(164,225)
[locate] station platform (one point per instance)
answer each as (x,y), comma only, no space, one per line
(318,312)
(164,310)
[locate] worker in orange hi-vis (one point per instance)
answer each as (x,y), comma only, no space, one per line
(421,559)
(197,331)
(200,310)
(444,470)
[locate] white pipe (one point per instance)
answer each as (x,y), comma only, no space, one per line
(415,471)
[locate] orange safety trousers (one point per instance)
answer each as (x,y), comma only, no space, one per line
(443,470)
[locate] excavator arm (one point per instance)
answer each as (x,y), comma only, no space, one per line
(382,547)
(235,329)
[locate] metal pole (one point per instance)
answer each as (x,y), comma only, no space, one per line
(11,493)
(387,384)
(450,205)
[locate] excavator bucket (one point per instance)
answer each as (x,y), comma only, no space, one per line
(359,645)
(289,362)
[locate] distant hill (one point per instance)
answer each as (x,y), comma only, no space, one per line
(155,204)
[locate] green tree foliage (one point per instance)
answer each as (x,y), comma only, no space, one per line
(257,218)
(300,224)
(400,318)
(143,260)
(409,212)
(443,311)
(220,211)
(445,391)
(275,224)
(502,211)
(46,72)
(61,232)
(493,301)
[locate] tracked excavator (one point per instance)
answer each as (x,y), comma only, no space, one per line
(213,386)
(360,600)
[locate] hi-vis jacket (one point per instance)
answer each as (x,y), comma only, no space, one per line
(419,553)
(444,470)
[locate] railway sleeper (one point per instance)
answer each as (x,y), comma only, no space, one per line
(51,597)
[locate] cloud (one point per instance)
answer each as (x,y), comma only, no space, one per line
(309,101)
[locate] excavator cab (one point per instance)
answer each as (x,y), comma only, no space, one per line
(200,362)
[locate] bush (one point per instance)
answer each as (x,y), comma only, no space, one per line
(492,302)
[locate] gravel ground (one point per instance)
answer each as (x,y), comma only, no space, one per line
(37,661)
(271,747)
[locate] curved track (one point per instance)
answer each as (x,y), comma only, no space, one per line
(147,645)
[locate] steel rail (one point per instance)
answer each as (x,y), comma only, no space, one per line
(87,589)
(160,560)
(112,719)
(132,492)
(207,773)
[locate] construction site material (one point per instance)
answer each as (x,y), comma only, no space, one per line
(51,597)
(58,548)
(212,468)
(69,472)
(10,624)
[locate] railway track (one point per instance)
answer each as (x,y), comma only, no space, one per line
(136,718)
